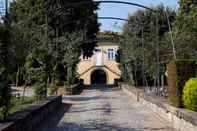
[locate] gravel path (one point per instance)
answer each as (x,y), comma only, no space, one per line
(104,110)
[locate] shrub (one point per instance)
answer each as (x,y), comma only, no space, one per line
(53,89)
(190,94)
(39,91)
(19,103)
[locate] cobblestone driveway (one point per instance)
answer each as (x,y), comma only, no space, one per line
(104,110)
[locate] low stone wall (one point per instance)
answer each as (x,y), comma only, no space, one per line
(30,117)
(181,119)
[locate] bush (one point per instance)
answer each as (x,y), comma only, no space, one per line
(190,94)
(53,89)
(19,103)
(39,92)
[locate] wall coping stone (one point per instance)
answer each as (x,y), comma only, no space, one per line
(31,111)
(185,114)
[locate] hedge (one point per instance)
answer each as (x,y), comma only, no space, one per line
(190,94)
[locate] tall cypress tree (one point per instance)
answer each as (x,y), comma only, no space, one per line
(74,16)
(5,90)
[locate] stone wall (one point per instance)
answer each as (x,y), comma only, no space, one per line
(181,119)
(30,117)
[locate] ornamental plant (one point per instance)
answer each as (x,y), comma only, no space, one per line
(190,94)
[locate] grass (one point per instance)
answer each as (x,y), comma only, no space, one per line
(18,104)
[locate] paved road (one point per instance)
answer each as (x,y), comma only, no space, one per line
(104,110)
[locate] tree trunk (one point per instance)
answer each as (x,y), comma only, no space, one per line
(17,77)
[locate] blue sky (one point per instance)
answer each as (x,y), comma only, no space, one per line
(122,11)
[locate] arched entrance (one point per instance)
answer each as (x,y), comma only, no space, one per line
(98,77)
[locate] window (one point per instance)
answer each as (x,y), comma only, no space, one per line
(111,54)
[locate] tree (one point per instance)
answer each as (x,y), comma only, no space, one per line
(143,47)
(39,68)
(28,28)
(187,5)
(32,37)
(73,16)
(69,48)
(41,24)
(72,52)
(184,32)
(4,71)
(5,90)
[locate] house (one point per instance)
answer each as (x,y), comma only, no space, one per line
(102,67)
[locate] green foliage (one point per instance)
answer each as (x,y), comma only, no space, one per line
(4,71)
(71,53)
(190,94)
(40,91)
(4,94)
(71,16)
(187,5)
(28,22)
(18,104)
(184,32)
(138,48)
(39,38)
(179,72)
(42,24)
(39,67)
(53,89)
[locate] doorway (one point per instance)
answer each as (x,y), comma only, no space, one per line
(98,77)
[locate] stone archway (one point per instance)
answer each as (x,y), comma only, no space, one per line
(98,76)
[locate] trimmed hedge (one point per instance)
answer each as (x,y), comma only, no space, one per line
(190,94)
